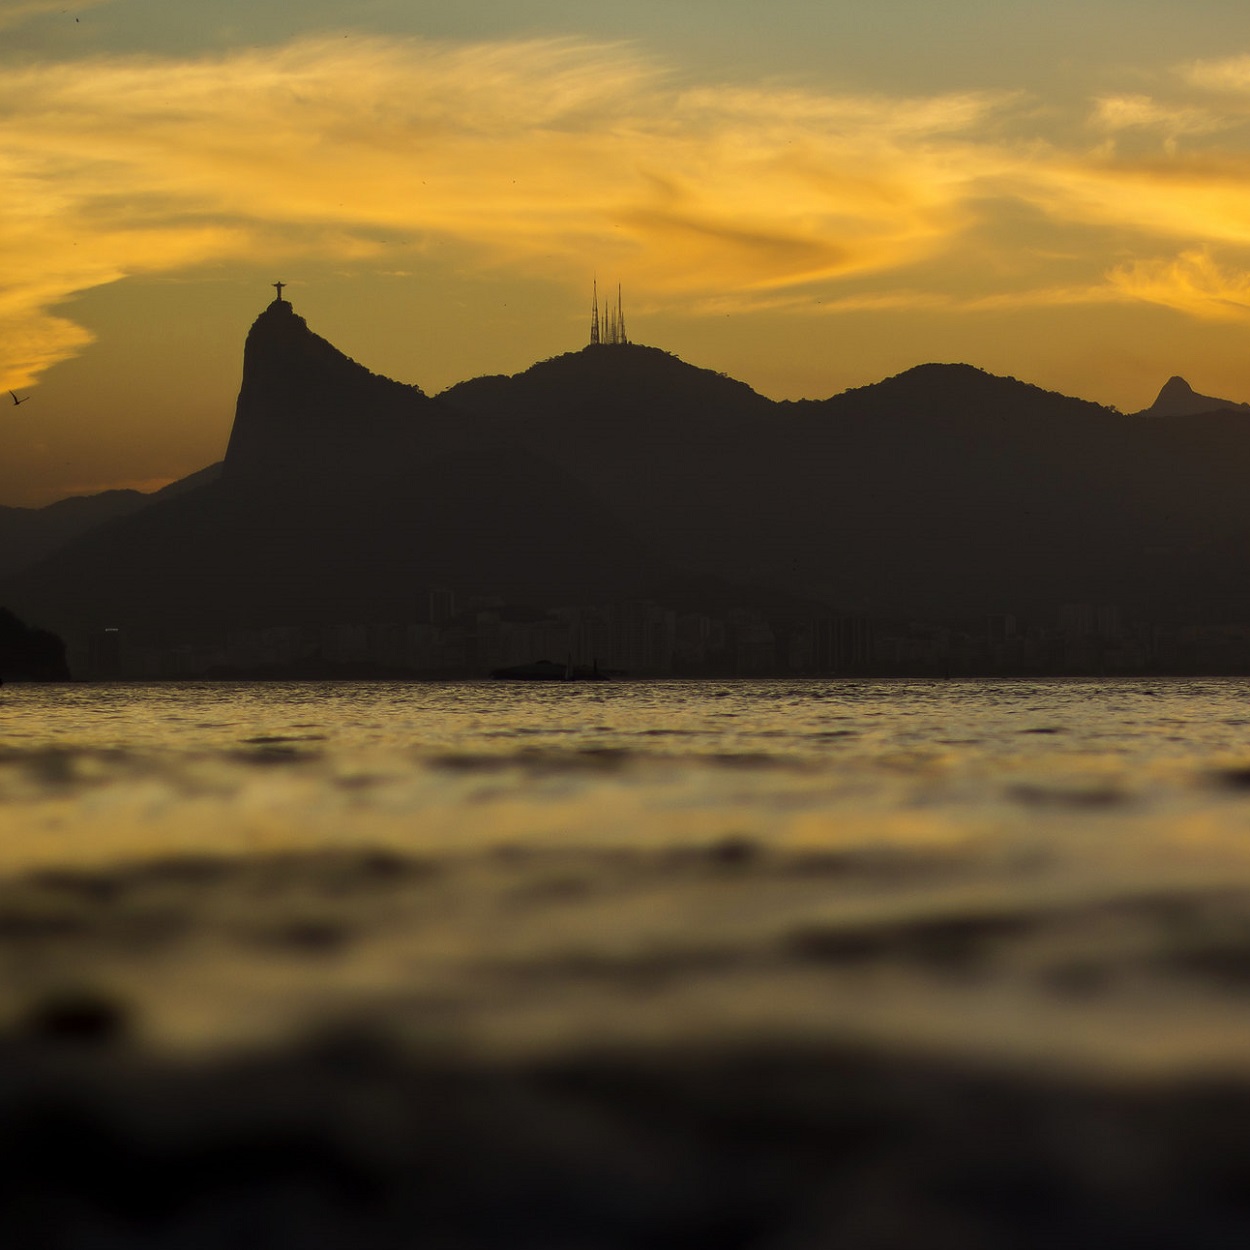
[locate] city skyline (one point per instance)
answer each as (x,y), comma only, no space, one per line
(809,202)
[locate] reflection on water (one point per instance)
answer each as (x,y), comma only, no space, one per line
(773,965)
(1055,873)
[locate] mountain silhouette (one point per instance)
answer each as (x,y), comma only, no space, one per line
(621,471)
(306,411)
(944,491)
(27,535)
(343,497)
(1179,399)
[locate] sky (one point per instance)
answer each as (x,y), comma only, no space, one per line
(806,194)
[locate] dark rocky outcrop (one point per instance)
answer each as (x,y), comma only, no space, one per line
(28,654)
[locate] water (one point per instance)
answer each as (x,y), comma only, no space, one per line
(1050,874)
(786,965)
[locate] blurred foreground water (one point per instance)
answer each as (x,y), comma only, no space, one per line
(632,964)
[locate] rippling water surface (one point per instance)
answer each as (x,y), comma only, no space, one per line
(1051,873)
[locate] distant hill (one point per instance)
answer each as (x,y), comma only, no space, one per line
(1179,399)
(28,654)
(621,471)
(27,535)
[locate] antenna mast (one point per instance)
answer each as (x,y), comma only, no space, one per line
(608,327)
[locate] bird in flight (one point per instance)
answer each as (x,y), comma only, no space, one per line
(17,401)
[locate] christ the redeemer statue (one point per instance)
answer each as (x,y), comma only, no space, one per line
(277,286)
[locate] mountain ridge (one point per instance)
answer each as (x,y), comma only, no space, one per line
(341,495)
(27,535)
(942,491)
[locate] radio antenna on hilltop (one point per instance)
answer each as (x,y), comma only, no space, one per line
(610,329)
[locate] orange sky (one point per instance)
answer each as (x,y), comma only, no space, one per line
(438,202)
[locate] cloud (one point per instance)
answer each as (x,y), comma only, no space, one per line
(1230,74)
(547,156)
(911,299)
(1192,283)
(15,12)
(1117,113)
(553,157)
(1202,198)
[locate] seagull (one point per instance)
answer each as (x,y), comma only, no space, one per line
(17,401)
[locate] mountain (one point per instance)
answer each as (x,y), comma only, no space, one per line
(979,489)
(944,491)
(1179,399)
(674,450)
(620,471)
(27,535)
(343,497)
(306,411)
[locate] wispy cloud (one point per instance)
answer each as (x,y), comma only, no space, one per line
(1115,114)
(551,156)
(546,156)
(1230,74)
(1193,282)
(911,299)
(1203,199)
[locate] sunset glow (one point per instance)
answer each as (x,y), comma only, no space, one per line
(746,217)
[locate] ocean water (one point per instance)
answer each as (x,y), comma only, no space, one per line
(623,966)
(1043,876)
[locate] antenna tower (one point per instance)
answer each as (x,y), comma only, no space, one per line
(610,327)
